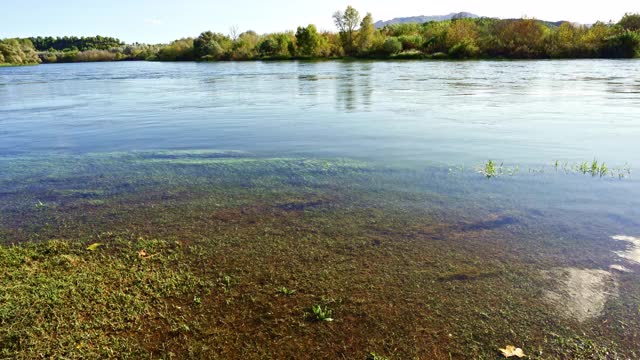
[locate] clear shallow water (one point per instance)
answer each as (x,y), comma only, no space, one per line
(462,113)
(454,114)
(89,150)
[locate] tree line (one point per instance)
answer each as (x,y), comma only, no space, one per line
(356,36)
(457,38)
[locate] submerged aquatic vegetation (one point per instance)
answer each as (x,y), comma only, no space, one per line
(490,169)
(584,167)
(285,291)
(374,356)
(321,313)
(94,246)
(602,170)
(595,168)
(58,300)
(195,249)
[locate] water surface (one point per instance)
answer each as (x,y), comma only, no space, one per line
(367,179)
(528,112)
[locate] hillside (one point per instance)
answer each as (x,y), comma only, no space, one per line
(424,18)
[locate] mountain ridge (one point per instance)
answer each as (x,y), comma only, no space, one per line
(425,18)
(459,15)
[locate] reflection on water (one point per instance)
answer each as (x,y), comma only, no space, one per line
(354,90)
(460,113)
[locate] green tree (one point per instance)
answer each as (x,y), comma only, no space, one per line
(179,50)
(277,45)
(244,47)
(80,43)
(392,46)
(435,35)
(366,34)
(211,45)
(566,42)
(347,24)
(630,22)
(308,40)
(623,45)
(594,39)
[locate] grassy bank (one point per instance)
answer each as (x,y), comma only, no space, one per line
(221,255)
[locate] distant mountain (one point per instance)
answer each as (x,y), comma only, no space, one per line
(424,19)
(461,15)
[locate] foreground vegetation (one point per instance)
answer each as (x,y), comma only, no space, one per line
(356,37)
(221,255)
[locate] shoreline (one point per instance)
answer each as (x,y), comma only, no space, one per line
(424,58)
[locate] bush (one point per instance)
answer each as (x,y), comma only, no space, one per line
(179,50)
(392,46)
(211,44)
(623,45)
(95,55)
(18,52)
(411,42)
(464,49)
(49,58)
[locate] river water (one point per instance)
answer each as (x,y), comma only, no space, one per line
(533,161)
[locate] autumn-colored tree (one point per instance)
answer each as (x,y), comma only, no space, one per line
(520,38)
(435,36)
(566,42)
(461,39)
(18,52)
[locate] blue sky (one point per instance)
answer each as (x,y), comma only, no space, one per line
(165,20)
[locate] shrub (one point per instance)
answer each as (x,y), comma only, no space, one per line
(392,46)
(623,45)
(411,42)
(94,56)
(464,49)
